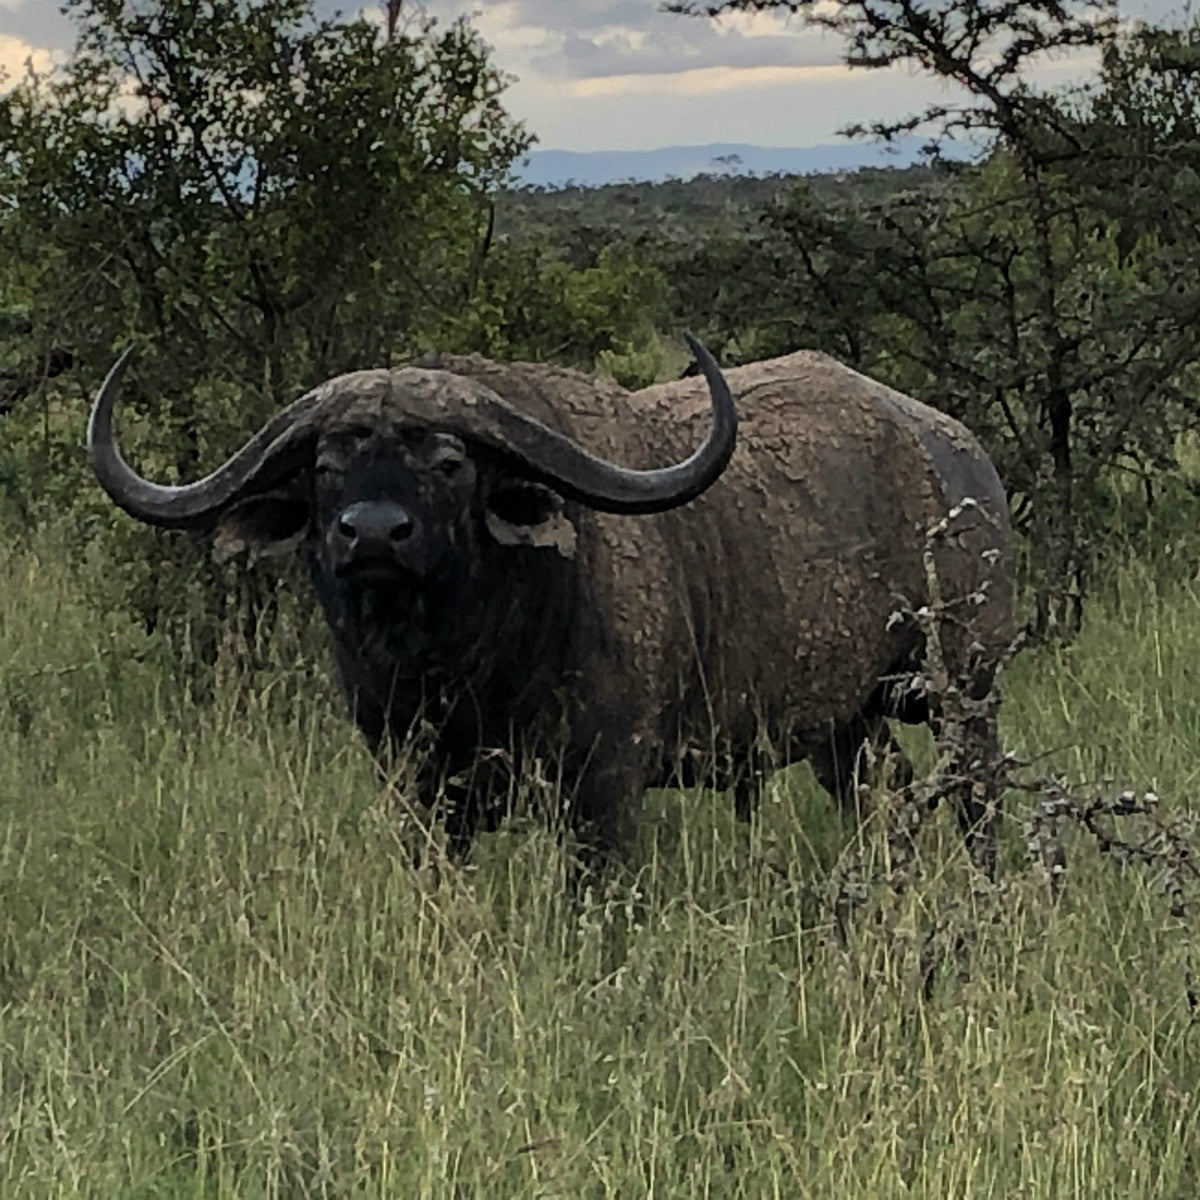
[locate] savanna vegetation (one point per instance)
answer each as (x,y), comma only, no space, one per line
(233,964)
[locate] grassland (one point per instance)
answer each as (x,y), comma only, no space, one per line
(222,976)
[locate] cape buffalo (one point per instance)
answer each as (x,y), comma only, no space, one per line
(486,577)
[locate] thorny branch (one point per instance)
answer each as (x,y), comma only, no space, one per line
(1127,827)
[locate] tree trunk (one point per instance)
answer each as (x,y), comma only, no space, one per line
(1060,565)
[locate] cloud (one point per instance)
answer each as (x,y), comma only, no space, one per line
(771,106)
(559,16)
(588,39)
(704,80)
(16,54)
(677,50)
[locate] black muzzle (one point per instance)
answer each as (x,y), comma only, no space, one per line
(378,537)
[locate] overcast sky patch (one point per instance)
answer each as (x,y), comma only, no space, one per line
(37,23)
(675,50)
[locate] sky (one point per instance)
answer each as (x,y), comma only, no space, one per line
(623,75)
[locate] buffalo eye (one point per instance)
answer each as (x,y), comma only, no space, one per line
(448,461)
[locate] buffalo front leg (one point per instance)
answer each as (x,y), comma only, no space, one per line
(750,779)
(839,758)
(466,811)
(603,802)
(839,764)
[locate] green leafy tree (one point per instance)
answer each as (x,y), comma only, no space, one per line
(241,183)
(532,304)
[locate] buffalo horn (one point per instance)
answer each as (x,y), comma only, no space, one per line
(285,445)
(282,446)
(596,482)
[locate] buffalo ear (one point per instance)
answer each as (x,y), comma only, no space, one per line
(523,513)
(267,525)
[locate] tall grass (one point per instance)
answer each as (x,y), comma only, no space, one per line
(222,976)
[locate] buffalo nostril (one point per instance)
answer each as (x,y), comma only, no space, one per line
(401,529)
(346,528)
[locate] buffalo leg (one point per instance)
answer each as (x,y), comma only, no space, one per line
(837,760)
(745,774)
(976,800)
(469,811)
(749,781)
(603,802)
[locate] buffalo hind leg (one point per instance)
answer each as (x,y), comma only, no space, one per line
(467,813)
(977,803)
(743,773)
(602,810)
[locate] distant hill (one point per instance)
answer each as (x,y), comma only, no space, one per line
(554,168)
